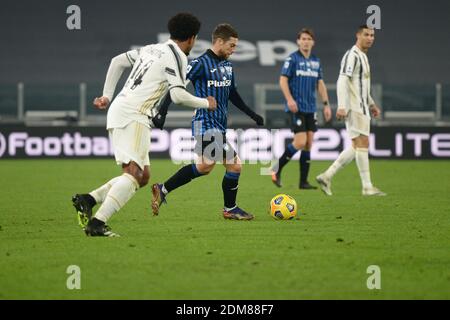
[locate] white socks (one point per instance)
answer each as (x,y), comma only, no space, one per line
(344,158)
(100,194)
(362,161)
(118,195)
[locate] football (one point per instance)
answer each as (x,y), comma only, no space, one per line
(283,207)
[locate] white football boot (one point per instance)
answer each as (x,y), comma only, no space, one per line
(324,184)
(373,191)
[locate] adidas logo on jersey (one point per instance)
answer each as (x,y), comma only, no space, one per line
(218,84)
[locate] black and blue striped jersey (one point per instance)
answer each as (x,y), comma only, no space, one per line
(304,74)
(211,76)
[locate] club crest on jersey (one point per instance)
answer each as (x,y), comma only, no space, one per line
(315,64)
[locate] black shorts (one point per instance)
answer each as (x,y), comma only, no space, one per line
(302,121)
(214,147)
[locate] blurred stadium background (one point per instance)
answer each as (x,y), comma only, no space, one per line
(50,75)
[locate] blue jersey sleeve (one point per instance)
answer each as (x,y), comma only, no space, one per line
(194,70)
(288,67)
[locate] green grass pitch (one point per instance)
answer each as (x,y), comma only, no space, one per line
(191,252)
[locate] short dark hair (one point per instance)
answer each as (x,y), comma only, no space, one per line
(224,31)
(308,31)
(183,26)
(362,27)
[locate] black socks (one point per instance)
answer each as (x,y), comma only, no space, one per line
(287,155)
(183,176)
(305,158)
(230,189)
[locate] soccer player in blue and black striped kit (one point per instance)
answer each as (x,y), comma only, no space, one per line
(212,75)
(300,76)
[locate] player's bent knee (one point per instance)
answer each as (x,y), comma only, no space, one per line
(205,169)
(361,142)
(143,182)
(140,175)
(236,167)
(298,144)
(144,179)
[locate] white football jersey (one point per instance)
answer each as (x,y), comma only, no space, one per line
(355,65)
(156,69)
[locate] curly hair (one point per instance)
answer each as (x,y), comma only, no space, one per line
(183,26)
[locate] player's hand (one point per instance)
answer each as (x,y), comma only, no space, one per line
(212,103)
(341,114)
(292,105)
(101,103)
(258,119)
(327,113)
(375,111)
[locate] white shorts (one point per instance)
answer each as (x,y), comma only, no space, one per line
(131,143)
(357,124)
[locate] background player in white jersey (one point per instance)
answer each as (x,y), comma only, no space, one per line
(355,105)
(158,70)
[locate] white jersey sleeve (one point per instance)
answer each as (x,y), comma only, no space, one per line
(348,64)
(181,96)
(132,56)
(116,68)
(342,90)
(175,69)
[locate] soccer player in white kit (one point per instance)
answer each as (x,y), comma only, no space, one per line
(157,70)
(356,106)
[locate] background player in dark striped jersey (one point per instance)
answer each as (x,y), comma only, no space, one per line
(212,75)
(301,74)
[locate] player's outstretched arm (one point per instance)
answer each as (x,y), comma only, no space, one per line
(116,68)
(176,77)
(179,95)
(236,99)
